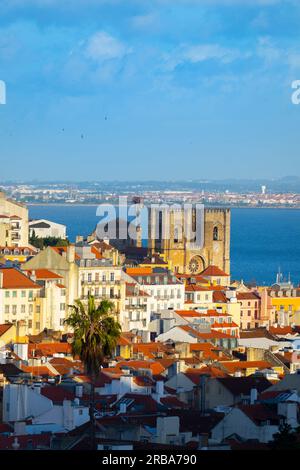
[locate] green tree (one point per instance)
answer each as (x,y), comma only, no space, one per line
(96,333)
(286,438)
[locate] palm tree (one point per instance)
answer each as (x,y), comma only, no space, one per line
(96,333)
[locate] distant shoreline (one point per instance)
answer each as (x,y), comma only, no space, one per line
(64,204)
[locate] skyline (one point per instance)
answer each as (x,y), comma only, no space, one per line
(119,91)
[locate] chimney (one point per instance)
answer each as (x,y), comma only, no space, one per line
(253,396)
(79,391)
(71,253)
(160,387)
(123,408)
(15,445)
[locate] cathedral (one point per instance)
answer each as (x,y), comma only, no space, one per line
(181,256)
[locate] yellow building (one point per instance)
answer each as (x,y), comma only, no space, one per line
(13,222)
(286,302)
(175,247)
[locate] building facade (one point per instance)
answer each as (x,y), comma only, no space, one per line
(175,248)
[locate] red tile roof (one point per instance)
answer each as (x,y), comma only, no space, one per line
(57,394)
(172,402)
(48,349)
(219,296)
(43,274)
(15,279)
(234,366)
(38,371)
(4,328)
(247,296)
(281,330)
(213,271)
(195,288)
(195,374)
(150,350)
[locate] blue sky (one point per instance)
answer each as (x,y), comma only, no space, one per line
(138,89)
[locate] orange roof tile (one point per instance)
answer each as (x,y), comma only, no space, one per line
(15,279)
(43,274)
(213,271)
(138,271)
(4,328)
(234,366)
(48,349)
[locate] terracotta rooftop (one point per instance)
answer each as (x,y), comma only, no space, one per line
(15,279)
(213,271)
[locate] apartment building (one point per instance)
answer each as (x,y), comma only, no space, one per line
(13,222)
(136,313)
(250,309)
(165,290)
(18,294)
(43,228)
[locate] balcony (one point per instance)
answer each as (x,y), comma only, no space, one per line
(136,307)
(100,283)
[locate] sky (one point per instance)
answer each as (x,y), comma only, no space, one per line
(143,90)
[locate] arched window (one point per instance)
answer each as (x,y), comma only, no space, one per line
(176,235)
(216,233)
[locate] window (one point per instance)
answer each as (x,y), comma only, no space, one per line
(176,235)
(14,309)
(97,277)
(61,322)
(14,293)
(23,308)
(29,323)
(103,277)
(30,295)
(23,293)
(37,325)
(216,234)
(6,308)
(112,276)
(89,277)
(38,309)
(7,293)
(62,307)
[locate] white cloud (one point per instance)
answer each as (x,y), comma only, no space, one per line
(102,46)
(200,53)
(144,21)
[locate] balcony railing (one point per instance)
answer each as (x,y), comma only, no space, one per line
(100,282)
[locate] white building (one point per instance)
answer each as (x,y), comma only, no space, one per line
(165,290)
(45,228)
(21,402)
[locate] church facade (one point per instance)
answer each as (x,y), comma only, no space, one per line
(183,258)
